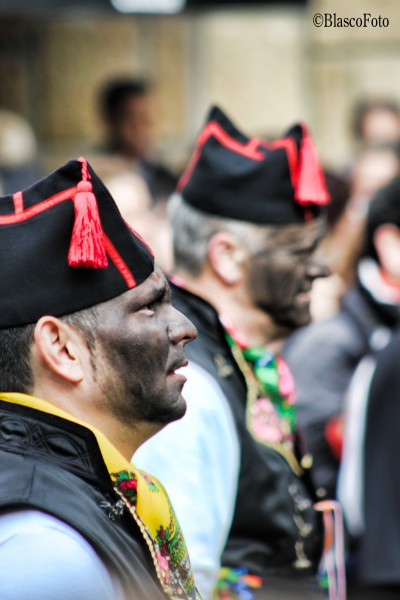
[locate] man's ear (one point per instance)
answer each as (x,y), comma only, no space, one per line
(226,255)
(58,347)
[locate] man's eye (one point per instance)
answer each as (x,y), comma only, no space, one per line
(157,301)
(302,252)
(148,308)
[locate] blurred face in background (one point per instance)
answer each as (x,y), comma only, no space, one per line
(380,125)
(280,273)
(134,130)
(374,168)
(133,199)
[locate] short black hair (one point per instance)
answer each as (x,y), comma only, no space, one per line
(116,92)
(16,343)
(15,362)
(383,209)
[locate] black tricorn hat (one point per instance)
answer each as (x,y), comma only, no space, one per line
(249,179)
(65,247)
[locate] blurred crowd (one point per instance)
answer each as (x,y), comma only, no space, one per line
(330,387)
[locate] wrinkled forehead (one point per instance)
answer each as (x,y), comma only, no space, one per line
(311,231)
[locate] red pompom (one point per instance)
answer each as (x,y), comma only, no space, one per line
(311,186)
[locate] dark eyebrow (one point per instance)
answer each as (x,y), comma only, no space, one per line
(162,293)
(309,249)
(309,246)
(306,245)
(159,295)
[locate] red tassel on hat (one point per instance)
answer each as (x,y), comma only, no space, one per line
(87,246)
(311,186)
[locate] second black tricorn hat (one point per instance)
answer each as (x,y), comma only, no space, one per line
(65,247)
(249,179)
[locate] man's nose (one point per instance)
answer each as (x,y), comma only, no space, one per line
(182,330)
(318,267)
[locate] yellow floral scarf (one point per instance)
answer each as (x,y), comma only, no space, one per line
(147,502)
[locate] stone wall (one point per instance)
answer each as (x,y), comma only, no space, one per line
(268,67)
(347,64)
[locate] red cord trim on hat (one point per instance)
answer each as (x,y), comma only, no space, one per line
(136,234)
(38,208)
(18,202)
(213,129)
(118,261)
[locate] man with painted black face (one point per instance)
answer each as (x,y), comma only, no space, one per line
(89,349)
(246,220)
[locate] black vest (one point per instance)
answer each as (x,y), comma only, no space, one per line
(379,545)
(274,523)
(54,465)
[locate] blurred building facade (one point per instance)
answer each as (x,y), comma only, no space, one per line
(266,66)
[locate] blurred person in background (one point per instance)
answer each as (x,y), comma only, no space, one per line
(18,153)
(376,121)
(370,479)
(134,201)
(374,167)
(326,292)
(128,112)
(246,222)
(324,356)
(132,197)
(375,125)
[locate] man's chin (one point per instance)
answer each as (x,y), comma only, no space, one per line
(175,412)
(290,322)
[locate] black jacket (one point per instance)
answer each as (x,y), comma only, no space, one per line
(53,465)
(273,513)
(323,358)
(379,546)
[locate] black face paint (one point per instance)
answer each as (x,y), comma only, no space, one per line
(139,345)
(280,276)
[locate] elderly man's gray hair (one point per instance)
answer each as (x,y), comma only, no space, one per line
(193,229)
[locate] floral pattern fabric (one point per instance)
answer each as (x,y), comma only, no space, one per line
(272,416)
